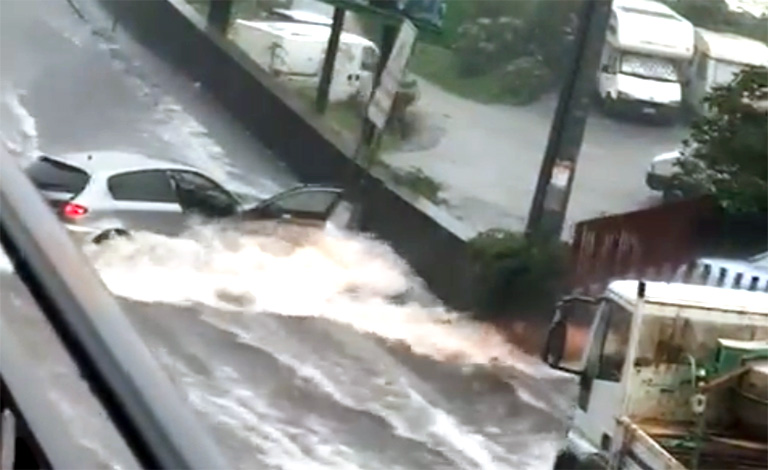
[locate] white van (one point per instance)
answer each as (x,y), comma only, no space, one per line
(294,52)
(717,58)
(646,52)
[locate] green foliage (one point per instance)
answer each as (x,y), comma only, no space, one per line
(515,273)
(494,40)
(525,79)
(729,146)
(484,43)
(715,15)
(420,183)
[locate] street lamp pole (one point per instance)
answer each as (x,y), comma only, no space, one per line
(553,188)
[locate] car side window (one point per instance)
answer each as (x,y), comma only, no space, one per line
(614,350)
(144,186)
(203,196)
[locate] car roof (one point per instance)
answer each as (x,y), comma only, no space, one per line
(116,162)
(693,295)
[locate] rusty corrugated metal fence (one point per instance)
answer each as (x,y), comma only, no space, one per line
(652,243)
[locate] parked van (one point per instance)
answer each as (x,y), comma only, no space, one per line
(647,50)
(294,52)
(717,58)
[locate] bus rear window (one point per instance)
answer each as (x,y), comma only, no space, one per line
(52,175)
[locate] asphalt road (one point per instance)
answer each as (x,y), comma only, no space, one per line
(290,352)
(487,157)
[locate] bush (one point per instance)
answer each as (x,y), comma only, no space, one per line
(525,79)
(728,147)
(484,43)
(515,274)
(420,183)
(716,15)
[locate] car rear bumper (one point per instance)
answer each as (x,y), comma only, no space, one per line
(648,108)
(81,234)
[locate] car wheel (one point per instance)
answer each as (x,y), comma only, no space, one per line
(672,195)
(609,105)
(566,460)
(110,234)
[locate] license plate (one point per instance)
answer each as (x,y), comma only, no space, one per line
(649,110)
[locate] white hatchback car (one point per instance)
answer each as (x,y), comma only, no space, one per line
(98,194)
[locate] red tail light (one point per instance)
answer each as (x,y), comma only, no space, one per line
(74,211)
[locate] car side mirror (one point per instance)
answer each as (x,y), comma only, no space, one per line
(554,346)
(573,315)
(605,68)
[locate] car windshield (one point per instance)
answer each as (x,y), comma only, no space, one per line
(655,68)
(427,181)
(53,175)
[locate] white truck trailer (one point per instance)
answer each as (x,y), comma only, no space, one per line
(717,58)
(294,52)
(673,376)
(643,63)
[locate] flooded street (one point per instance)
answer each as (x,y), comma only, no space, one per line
(299,349)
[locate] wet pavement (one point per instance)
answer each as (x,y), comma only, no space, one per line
(292,352)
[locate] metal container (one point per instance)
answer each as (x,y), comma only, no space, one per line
(751,401)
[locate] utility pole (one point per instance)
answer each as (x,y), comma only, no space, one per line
(553,188)
(323,89)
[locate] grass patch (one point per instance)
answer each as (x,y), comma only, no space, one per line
(418,182)
(438,65)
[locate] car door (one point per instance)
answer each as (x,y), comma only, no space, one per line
(145,200)
(601,384)
(308,205)
(201,197)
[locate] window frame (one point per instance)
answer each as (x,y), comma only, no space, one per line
(611,315)
(173,174)
(134,173)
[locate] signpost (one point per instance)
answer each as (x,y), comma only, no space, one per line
(427,15)
(380,104)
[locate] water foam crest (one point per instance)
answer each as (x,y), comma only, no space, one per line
(19,129)
(301,272)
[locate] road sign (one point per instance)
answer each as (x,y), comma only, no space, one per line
(381,102)
(427,15)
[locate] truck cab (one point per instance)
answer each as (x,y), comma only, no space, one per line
(643,62)
(673,376)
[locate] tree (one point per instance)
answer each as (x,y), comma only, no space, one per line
(728,148)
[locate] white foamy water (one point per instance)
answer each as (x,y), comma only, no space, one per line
(363,379)
(227,399)
(18,134)
(338,276)
(18,131)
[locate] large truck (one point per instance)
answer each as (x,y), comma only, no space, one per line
(673,376)
(644,59)
(294,52)
(717,58)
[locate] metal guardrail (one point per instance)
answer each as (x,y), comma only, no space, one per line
(141,402)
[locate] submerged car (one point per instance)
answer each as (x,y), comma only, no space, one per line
(98,195)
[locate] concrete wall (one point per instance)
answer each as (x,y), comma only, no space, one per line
(295,134)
